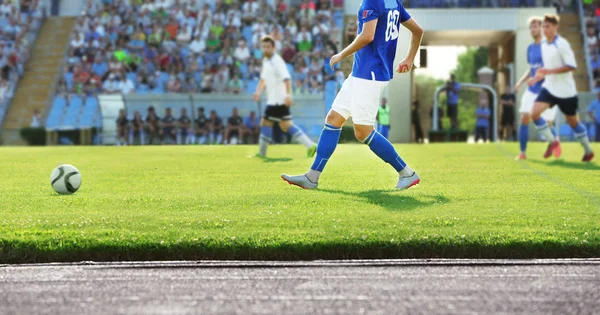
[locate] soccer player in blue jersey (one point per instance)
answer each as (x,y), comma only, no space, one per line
(374,50)
(534,59)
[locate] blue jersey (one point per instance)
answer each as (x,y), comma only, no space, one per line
(376,60)
(534,59)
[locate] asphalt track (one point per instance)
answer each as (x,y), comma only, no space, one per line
(326,287)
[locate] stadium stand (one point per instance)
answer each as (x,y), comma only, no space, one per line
(154,48)
(19,25)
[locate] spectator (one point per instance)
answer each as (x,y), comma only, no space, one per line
(169,128)
(125,85)
(220,80)
(174,84)
(111,86)
(415,121)
(234,128)
(152,125)
(452,88)
(594,112)
(137,128)
(289,52)
(207,81)
(201,126)
(235,85)
(304,40)
(77,41)
(215,127)
(482,125)
(36,119)
(242,53)
(186,132)
(122,128)
(383,118)
(508,100)
(251,129)
(198,45)
(592,40)
(189,85)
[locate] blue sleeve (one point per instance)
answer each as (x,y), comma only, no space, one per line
(371,10)
(404,16)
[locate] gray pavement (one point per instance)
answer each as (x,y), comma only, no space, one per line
(328,287)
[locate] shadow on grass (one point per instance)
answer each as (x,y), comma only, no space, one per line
(571,165)
(392,200)
(275,160)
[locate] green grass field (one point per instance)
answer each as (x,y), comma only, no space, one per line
(168,203)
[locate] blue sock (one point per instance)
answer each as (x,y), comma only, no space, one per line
(579,130)
(266,132)
(293,130)
(384,150)
(327,142)
(540,123)
(581,134)
(523,137)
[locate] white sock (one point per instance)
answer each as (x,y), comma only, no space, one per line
(585,143)
(304,139)
(313,176)
(263,143)
(546,133)
(406,171)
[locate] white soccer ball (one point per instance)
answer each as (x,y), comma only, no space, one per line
(65,179)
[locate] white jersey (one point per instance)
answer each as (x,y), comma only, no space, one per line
(555,55)
(275,72)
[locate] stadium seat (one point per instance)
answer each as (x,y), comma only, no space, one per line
(132,76)
(244,70)
(565,131)
(73,111)
(56,112)
(89,111)
(69,79)
(247,33)
(251,86)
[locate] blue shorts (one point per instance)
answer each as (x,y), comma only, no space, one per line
(567,105)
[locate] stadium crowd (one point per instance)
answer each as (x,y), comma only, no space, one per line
(204,129)
(592,32)
(178,46)
(17,19)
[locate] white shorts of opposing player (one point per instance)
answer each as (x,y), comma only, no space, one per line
(527,101)
(359,98)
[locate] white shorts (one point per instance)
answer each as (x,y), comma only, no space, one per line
(359,98)
(527,101)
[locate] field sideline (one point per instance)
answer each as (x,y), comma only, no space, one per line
(214,202)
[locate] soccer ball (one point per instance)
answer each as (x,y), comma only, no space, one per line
(65,179)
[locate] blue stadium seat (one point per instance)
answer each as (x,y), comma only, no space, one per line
(247,33)
(330,92)
(338,17)
(69,79)
(56,112)
(566,131)
(132,76)
(290,68)
(251,86)
(244,70)
(73,111)
(89,111)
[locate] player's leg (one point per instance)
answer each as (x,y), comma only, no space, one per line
(328,140)
(330,135)
(525,109)
(266,135)
(597,132)
(298,136)
(542,103)
(569,108)
(364,111)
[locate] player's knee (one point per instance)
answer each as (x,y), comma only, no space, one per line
(573,121)
(361,133)
(525,119)
(334,119)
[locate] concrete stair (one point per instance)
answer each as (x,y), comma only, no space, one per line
(570,29)
(36,86)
